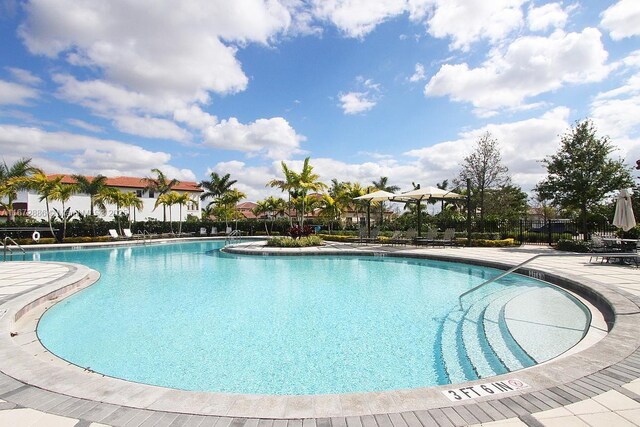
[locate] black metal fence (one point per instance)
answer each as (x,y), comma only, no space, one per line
(539,232)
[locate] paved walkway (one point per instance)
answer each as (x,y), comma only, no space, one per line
(599,386)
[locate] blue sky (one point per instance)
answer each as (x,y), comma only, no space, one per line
(396,88)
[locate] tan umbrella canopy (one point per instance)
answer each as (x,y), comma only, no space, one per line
(624,217)
(427,193)
(376,196)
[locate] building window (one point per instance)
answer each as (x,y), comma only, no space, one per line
(152,194)
(139,193)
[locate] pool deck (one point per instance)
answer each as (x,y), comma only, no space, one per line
(596,386)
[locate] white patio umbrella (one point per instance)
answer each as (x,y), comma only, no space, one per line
(426,193)
(376,196)
(624,217)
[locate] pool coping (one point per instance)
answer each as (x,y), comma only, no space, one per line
(30,363)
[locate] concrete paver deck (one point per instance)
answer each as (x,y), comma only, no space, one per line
(598,386)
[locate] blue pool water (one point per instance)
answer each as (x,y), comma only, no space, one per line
(186,316)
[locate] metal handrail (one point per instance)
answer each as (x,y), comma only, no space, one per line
(512,269)
(7,247)
(234,233)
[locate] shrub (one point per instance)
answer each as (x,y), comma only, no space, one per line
(296,231)
(573,245)
(288,242)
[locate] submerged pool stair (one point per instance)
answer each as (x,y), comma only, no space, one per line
(474,342)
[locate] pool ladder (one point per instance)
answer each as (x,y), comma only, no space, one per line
(232,237)
(6,248)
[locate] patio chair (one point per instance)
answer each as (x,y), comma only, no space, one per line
(408,237)
(373,238)
(203,231)
(429,238)
(394,239)
(129,235)
(114,234)
(448,239)
(597,246)
(214,231)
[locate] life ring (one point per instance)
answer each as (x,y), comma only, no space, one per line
(36,236)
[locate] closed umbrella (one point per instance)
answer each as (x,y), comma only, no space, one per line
(624,217)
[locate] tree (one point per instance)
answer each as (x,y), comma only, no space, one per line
(41,183)
(383,184)
(167,199)
(508,202)
(216,187)
(181,199)
(63,193)
(161,185)
(308,181)
(130,200)
(13,178)
(288,184)
(92,187)
(581,174)
(272,206)
(485,170)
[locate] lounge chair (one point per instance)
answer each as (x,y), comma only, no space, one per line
(394,239)
(429,238)
(449,238)
(114,234)
(214,231)
(129,235)
(373,238)
(203,231)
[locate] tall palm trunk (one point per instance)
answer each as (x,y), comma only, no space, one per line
(46,201)
(180,223)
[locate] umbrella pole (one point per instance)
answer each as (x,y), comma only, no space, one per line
(369,219)
(419,219)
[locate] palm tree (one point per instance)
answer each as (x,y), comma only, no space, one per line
(130,200)
(329,208)
(181,199)
(63,193)
(262,207)
(12,179)
(288,184)
(167,199)
(113,196)
(92,187)
(217,186)
(41,183)
(383,184)
(229,201)
(307,181)
(355,190)
(161,185)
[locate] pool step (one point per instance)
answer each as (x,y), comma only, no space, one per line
(474,341)
(457,364)
(479,350)
(498,334)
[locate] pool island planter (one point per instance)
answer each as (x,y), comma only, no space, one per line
(23,359)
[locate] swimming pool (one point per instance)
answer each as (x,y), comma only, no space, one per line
(186,316)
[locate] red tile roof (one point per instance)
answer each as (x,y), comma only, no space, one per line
(131,182)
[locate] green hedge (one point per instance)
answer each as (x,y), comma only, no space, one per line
(573,245)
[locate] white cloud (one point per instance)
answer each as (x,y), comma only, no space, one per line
(467,21)
(622,19)
(522,143)
(15,93)
(195,118)
(25,76)
(151,127)
(85,154)
(356,102)
(530,66)
(357,18)
(151,61)
(550,15)
(274,138)
(418,75)
(86,126)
